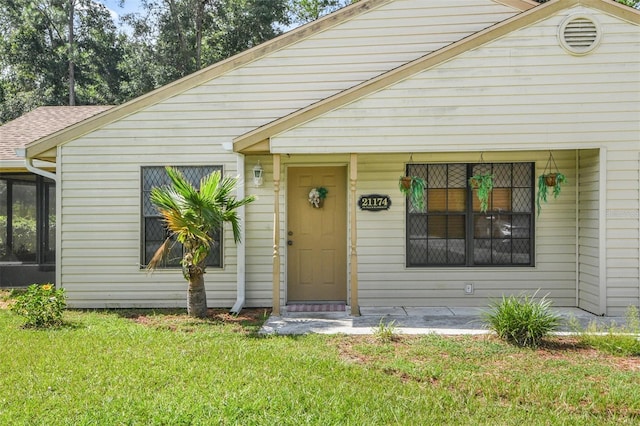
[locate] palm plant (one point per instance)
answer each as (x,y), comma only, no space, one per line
(192,216)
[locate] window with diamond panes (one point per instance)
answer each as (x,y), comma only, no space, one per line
(453,232)
(154,232)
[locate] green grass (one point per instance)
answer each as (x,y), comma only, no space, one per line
(621,340)
(163,368)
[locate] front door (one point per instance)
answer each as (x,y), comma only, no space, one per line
(317,237)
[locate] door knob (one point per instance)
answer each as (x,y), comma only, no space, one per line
(289,242)
(290,233)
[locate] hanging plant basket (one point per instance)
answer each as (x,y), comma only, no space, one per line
(413,187)
(549,179)
(317,196)
(405,183)
(483,185)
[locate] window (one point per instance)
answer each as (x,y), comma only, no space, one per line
(154,232)
(453,232)
(27,218)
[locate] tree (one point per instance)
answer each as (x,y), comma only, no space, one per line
(179,37)
(303,11)
(191,216)
(56,52)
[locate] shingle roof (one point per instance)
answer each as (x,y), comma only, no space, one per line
(41,122)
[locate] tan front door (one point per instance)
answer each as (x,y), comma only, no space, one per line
(317,237)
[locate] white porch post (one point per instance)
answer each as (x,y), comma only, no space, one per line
(276,234)
(353,261)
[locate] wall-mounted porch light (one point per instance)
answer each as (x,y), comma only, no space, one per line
(257,174)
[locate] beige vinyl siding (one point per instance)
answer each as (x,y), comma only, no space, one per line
(622,228)
(101,232)
(521,92)
(100,172)
(385,281)
(523,89)
(588,231)
(383,278)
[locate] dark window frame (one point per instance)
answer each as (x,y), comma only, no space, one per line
(510,233)
(150,218)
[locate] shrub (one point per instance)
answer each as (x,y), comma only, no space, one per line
(620,340)
(385,332)
(41,305)
(523,320)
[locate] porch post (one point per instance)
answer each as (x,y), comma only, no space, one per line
(353,261)
(276,234)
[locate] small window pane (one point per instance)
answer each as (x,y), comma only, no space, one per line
(521,199)
(438,227)
(482,252)
(457,200)
(501,199)
(24,221)
(456,227)
(437,176)
(456,252)
(502,175)
(457,176)
(437,200)
(521,226)
(522,175)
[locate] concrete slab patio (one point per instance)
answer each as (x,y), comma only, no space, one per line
(406,320)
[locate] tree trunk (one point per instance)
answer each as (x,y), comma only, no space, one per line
(197,297)
(72,77)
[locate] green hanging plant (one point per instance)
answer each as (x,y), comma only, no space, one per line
(549,179)
(546,181)
(413,187)
(483,184)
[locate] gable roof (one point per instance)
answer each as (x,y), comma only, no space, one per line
(258,138)
(39,123)
(38,149)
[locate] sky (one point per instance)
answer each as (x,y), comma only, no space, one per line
(117,11)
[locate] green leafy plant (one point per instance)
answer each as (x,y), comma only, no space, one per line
(523,321)
(385,332)
(413,187)
(546,181)
(616,339)
(483,185)
(41,305)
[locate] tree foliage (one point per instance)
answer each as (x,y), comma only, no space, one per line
(179,37)
(35,55)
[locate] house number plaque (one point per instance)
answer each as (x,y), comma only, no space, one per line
(374,202)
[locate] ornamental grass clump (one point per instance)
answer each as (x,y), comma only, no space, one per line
(41,305)
(523,321)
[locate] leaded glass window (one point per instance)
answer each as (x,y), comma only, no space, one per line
(154,232)
(453,232)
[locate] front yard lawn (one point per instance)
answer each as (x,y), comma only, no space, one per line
(163,368)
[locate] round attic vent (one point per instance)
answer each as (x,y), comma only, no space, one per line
(579,34)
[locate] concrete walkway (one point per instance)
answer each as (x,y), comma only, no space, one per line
(406,320)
